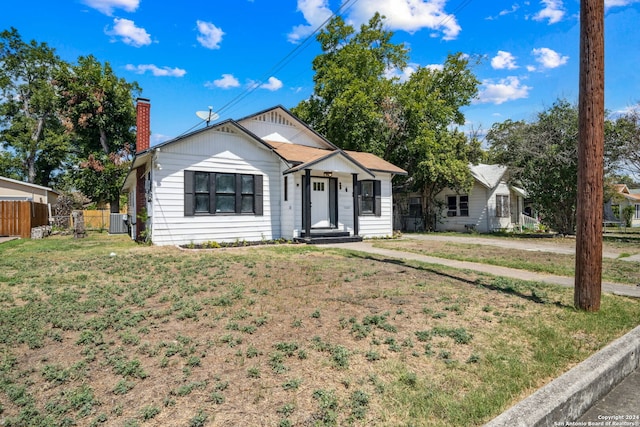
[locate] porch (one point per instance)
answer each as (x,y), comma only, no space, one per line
(319,237)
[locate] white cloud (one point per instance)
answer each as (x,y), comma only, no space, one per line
(513,9)
(553,11)
(504,60)
(549,58)
(226,82)
(614,3)
(404,15)
(507,89)
(402,74)
(409,16)
(210,35)
(129,33)
(272,84)
(315,12)
(156,71)
(107,6)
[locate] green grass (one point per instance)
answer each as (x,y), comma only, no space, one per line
(614,270)
(158,335)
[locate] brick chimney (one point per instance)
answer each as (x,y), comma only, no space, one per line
(143,129)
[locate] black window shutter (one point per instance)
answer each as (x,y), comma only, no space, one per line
(377,192)
(359,193)
(257,193)
(212,193)
(189,202)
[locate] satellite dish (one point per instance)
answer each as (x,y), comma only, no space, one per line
(207,115)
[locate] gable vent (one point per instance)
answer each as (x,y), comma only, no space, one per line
(225,129)
(274,117)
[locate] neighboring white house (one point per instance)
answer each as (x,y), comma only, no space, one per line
(266,176)
(491,205)
(14,190)
(628,197)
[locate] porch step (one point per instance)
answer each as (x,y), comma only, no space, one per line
(328,237)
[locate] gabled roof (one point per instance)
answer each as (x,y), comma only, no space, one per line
(630,194)
(27,184)
(488,175)
(297,155)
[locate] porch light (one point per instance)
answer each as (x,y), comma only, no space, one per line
(328,173)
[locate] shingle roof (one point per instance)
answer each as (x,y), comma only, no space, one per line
(488,175)
(375,163)
(302,154)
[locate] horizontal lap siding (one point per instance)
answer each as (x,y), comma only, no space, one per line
(478,211)
(380,226)
(215,152)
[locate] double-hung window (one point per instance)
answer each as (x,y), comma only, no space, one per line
(458,205)
(502,205)
(369,195)
(215,193)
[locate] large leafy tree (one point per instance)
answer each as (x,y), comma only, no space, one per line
(99,109)
(358,105)
(625,131)
(432,149)
(542,155)
(30,126)
(351,85)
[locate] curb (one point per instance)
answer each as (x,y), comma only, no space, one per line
(568,397)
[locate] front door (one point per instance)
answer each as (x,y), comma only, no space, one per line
(320,203)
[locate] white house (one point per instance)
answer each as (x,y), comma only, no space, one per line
(627,197)
(266,176)
(491,205)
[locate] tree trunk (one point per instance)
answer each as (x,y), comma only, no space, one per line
(31,159)
(588,280)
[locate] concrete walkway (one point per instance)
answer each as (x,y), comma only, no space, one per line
(513,273)
(531,244)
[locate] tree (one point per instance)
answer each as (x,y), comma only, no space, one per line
(626,132)
(543,157)
(430,148)
(31,128)
(358,106)
(99,109)
(351,86)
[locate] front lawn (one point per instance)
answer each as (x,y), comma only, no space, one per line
(100,331)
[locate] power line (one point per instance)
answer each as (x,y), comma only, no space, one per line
(287,58)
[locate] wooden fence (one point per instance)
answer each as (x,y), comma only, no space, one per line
(95,219)
(18,218)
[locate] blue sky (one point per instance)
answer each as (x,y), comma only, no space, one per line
(243,56)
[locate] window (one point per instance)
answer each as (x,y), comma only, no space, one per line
(637,212)
(222,193)
(458,205)
(502,205)
(369,192)
(452,205)
(415,207)
(286,188)
(464,205)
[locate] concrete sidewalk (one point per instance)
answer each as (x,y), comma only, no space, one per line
(513,273)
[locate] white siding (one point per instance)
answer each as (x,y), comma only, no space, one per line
(213,151)
(276,122)
(478,211)
(482,210)
(380,226)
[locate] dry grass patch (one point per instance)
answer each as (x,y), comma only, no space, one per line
(282,335)
(615,270)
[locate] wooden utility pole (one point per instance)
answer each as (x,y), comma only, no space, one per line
(588,282)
